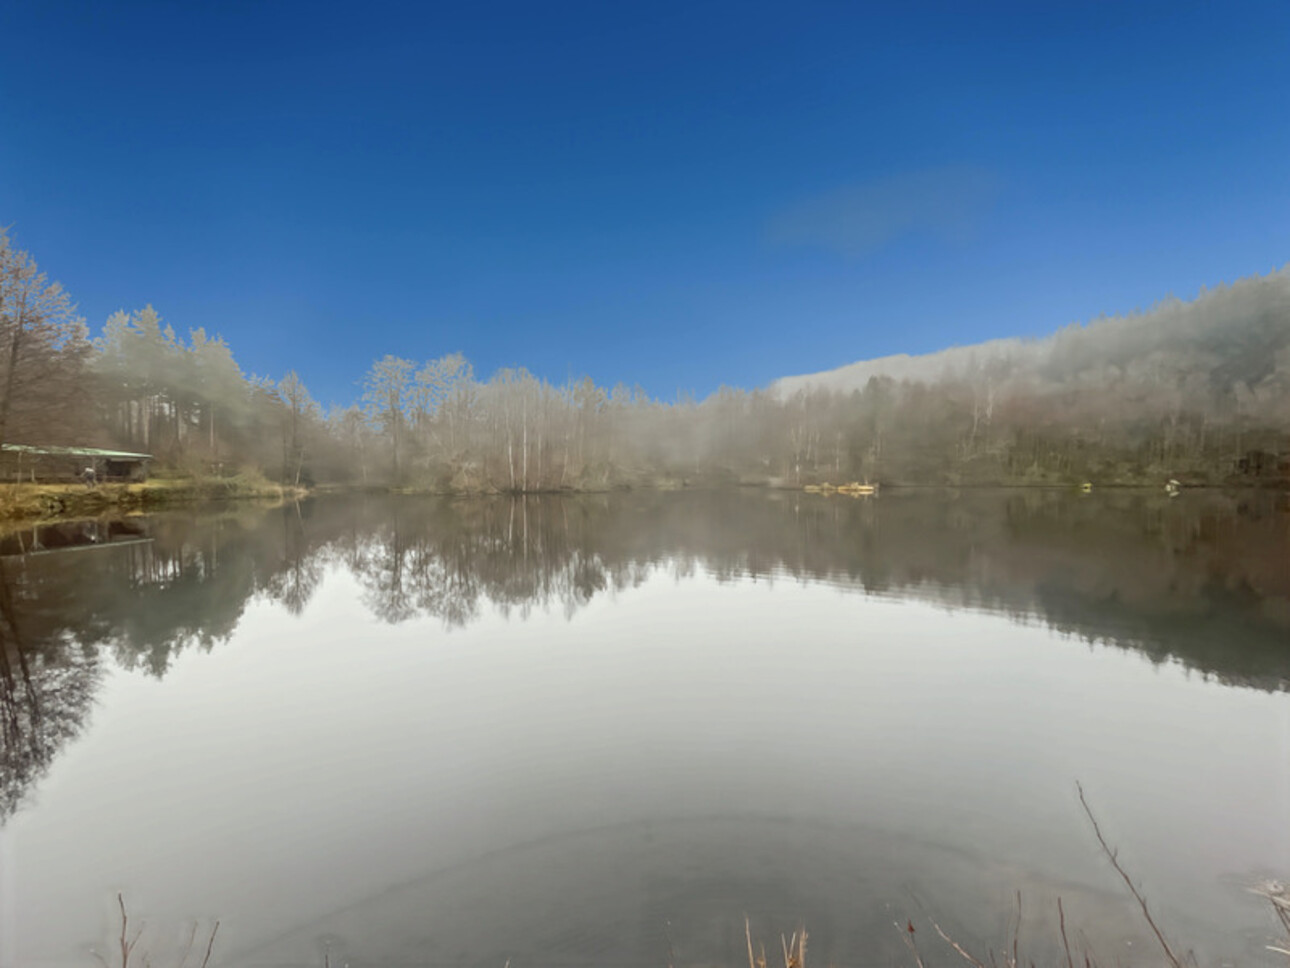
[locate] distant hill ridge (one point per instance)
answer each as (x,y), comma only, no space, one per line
(925,368)
(1233,337)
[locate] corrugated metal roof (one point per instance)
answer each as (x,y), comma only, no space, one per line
(74,452)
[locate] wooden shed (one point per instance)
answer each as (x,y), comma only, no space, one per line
(26,462)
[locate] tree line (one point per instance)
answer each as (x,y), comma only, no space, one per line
(1198,391)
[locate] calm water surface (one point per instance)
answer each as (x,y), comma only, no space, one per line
(575,731)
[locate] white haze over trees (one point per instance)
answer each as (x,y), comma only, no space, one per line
(1195,390)
(1186,387)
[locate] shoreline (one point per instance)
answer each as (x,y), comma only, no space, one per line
(56,502)
(25,503)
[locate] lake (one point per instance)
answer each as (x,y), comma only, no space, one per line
(599,730)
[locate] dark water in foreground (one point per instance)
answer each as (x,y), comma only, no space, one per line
(562,730)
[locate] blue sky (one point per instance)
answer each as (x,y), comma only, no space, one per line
(670,195)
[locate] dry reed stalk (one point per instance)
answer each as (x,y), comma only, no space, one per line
(793,949)
(1278,895)
(1061,920)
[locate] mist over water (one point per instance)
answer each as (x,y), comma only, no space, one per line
(560,730)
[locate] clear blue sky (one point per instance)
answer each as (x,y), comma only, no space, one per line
(675,195)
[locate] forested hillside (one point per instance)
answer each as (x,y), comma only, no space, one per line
(1198,391)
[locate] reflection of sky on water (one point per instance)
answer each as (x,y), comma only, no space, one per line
(685,744)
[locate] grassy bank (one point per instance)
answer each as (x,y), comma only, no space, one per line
(43,501)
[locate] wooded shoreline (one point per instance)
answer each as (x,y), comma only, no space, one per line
(1196,392)
(60,502)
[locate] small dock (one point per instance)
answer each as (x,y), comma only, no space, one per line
(854,489)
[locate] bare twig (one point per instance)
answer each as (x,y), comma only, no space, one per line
(956,946)
(127,946)
(671,953)
(907,933)
(1137,895)
(748,938)
(1061,920)
(1090,956)
(192,936)
(1016,934)
(210,944)
(125,924)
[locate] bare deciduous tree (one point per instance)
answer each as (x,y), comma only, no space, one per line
(388,399)
(43,351)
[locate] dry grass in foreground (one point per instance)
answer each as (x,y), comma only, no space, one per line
(128,944)
(1277,894)
(793,949)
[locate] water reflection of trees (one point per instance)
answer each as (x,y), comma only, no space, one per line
(46,689)
(137,591)
(1202,580)
(446,559)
